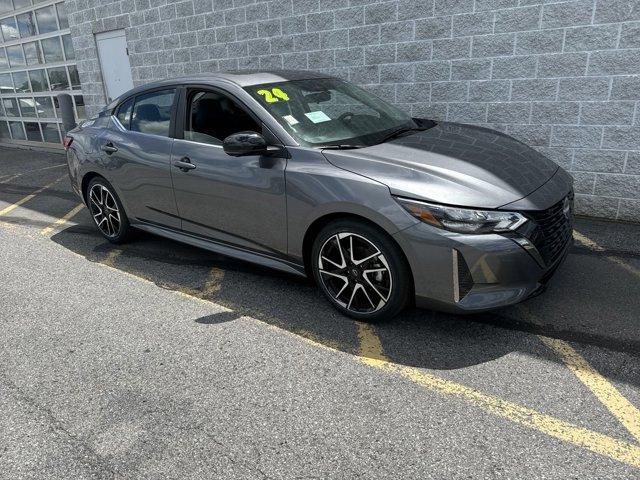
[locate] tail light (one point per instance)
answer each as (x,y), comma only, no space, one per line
(67,141)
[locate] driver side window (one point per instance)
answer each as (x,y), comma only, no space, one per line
(213,116)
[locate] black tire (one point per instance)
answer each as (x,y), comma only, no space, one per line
(118,232)
(395,283)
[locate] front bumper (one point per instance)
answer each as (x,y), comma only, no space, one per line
(471,273)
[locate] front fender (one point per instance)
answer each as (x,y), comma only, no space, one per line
(316,189)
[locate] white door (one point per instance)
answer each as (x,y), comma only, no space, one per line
(114,62)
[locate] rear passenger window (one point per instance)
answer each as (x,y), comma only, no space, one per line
(152,112)
(124,113)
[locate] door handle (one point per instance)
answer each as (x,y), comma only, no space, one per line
(184,164)
(109,148)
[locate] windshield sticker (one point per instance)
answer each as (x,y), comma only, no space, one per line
(291,120)
(318,116)
(274,95)
(280,94)
(268,97)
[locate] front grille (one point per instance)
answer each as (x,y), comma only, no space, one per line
(553,230)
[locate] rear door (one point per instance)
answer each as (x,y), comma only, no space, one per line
(235,200)
(137,148)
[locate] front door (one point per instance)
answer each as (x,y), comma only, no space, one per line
(235,200)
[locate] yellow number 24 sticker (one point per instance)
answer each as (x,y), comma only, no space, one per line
(273,95)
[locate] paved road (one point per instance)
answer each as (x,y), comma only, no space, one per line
(155,360)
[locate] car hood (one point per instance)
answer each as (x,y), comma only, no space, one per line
(453,164)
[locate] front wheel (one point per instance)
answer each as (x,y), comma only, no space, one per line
(107,211)
(361,271)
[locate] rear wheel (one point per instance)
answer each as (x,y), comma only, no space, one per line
(107,211)
(361,271)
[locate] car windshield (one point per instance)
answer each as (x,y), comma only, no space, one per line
(329,111)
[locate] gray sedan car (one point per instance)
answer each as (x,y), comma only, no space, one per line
(309,174)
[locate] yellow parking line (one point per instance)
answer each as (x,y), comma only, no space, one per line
(110,258)
(213,283)
(62,220)
(10,208)
(587,242)
(618,405)
(372,354)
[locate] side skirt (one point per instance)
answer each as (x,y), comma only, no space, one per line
(223,249)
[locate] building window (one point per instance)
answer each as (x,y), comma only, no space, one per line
(21,82)
(17,131)
(32,53)
(9,29)
(15,56)
(46,20)
(37,62)
(26,25)
(52,50)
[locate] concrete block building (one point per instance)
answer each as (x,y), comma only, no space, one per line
(562,76)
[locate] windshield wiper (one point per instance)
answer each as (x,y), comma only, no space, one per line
(343,146)
(402,131)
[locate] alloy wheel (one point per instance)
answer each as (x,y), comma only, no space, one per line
(104,210)
(355,273)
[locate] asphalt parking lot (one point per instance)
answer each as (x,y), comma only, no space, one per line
(157,360)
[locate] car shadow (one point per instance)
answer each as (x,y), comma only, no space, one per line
(418,338)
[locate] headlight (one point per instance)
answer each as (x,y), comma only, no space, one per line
(463,220)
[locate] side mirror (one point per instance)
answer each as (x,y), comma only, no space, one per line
(243,144)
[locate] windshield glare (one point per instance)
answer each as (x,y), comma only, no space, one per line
(329,111)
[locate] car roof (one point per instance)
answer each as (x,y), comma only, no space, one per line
(242,78)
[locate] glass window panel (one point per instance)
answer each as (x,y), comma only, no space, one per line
(39,81)
(58,78)
(21,82)
(44,107)
(82,113)
(56,106)
(124,113)
(62,16)
(74,77)
(9,28)
(152,112)
(27,107)
(32,53)
(6,84)
(16,57)
(4,131)
(21,3)
(17,132)
(11,107)
(52,50)
(46,20)
(4,63)
(51,132)
(33,131)
(26,25)
(5,6)
(68,47)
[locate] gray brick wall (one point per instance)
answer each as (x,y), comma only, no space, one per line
(563,76)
